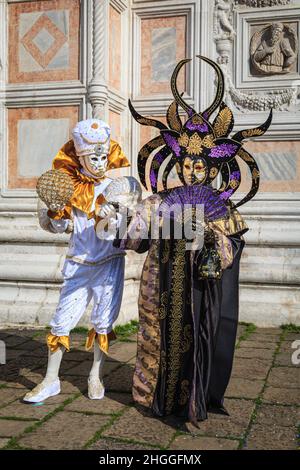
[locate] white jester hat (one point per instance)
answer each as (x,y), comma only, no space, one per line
(89,135)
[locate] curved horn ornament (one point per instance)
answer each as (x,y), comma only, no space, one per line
(144,120)
(178,97)
(220,87)
(253,167)
(144,154)
(225,172)
(256,131)
(157,161)
(233,175)
(198,139)
(173,118)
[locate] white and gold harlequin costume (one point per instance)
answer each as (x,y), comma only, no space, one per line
(93,271)
(94,268)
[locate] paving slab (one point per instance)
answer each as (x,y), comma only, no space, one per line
(234,425)
(142,428)
(65,430)
(203,443)
(117,423)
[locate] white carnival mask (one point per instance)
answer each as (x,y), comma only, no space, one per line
(92,144)
(97,162)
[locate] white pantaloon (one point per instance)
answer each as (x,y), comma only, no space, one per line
(101,283)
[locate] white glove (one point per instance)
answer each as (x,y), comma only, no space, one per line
(60,226)
(107,229)
(107,210)
(50,225)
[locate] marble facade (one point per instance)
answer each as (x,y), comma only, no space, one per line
(115,51)
(71,59)
(162,44)
(43,40)
(279,164)
(28,131)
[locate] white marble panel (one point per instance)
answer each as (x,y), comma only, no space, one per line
(26,62)
(38,142)
(61,60)
(61,19)
(281,166)
(163,42)
(27,20)
(43,40)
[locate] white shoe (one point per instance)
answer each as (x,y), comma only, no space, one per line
(43,391)
(96,389)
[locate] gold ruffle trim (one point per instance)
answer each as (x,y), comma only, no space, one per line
(103,340)
(222,229)
(224,249)
(54,342)
(229,226)
(68,162)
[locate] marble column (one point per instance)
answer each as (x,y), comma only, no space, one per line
(98,87)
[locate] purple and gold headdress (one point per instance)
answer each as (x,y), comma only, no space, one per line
(197,138)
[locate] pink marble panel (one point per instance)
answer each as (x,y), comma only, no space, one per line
(115,125)
(279,164)
(35,135)
(163,44)
(115,32)
(44,40)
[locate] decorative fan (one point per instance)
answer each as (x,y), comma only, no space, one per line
(214,207)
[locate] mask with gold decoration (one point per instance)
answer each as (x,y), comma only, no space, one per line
(199,149)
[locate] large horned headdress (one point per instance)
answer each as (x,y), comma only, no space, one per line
(199,139)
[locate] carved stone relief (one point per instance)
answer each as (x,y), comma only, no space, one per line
(273,49)
(261,3)
(224,36)
(223,28)
(261,101)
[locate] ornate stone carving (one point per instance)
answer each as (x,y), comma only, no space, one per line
(261,3)
(278,99)
(273,49)
(223,29)
(222,19)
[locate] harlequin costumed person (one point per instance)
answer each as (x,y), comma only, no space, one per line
(188,302)
(94,268)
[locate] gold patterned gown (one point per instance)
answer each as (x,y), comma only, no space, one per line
(187,326)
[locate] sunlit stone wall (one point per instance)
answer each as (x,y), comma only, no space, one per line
(65,60)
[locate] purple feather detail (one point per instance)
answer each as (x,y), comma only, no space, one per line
(226,194)
(172,143)
(197,127)
(205,116)
(214,206)
(223,150)
(159,157)
(235,175)
(153,179)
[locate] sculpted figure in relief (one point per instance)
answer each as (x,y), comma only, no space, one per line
(273,49)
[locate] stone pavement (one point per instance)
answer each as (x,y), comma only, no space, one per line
(262,398)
